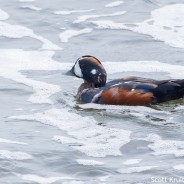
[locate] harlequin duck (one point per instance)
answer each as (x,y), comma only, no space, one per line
(124,91)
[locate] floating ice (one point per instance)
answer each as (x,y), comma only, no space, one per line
(89,162)
(11,142)
(3,15)
(90,138)
(66,35)
(132,161)
(130,170)
(68,12)
(113,4)
(164,147)
(31,7)
(86,17)
(166,24)
(5,154)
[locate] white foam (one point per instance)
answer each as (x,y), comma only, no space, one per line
(3,15)
(179,167)
(132,161)
(11,142)
(108,24)
(178,108)
(89,162)
(17,31)
(40,179)
(140,109)
(164,147)
(19,109)
(73,182)
(30,60)
(114,4)
(166,24)
(90,138)
(5,154)
(174,71)
(68,34)
(86,17)
(65,140)
(68,12)
(139,112)
(104,178)
(31,7)
(26,0)
(130,170)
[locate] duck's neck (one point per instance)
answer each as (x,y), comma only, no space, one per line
(85,85)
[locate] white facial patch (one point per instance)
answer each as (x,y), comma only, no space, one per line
(77,70)
(93,71)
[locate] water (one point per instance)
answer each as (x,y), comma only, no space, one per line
(46,135)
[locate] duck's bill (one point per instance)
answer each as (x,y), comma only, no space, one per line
(69,73)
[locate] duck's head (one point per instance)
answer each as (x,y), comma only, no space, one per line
(91,70)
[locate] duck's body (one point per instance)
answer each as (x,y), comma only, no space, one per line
(133,91)
(125,91)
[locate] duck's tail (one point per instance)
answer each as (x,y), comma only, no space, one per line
(169,90)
